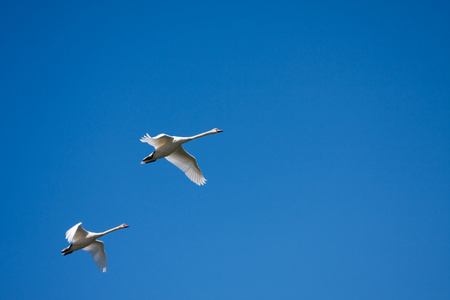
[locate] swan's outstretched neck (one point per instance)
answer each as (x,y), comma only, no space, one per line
(212,131)
(111,230)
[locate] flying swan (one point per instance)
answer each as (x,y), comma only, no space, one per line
(171,148)
(87,241)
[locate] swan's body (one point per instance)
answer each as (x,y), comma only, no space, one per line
(85,240)
(170,147)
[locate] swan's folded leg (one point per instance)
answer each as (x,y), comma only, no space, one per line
(66,251)
(148,159)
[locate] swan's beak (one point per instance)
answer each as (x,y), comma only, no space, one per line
(126,226)
(218,130)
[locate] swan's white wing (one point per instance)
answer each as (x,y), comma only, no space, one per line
(97,250)
(187,163)
(157,141)
(75,233)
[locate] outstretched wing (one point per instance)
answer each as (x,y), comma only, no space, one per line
(188,164)
(157,141)
(75,233)
(97,250)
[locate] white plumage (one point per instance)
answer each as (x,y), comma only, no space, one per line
(171,148)
(85,240)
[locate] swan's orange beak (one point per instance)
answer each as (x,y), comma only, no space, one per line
(126,226)
(218,130)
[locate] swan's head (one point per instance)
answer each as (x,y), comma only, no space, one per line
(124,226)
(217,130)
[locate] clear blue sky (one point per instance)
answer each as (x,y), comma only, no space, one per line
(331,179)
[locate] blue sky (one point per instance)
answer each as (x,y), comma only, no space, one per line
(330,180)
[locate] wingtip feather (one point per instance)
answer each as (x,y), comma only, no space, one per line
(145,137)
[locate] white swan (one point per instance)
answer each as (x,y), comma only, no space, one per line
(170,147)
(85,240)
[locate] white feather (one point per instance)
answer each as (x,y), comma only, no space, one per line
(85,240)
(97,250)
(170,147)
